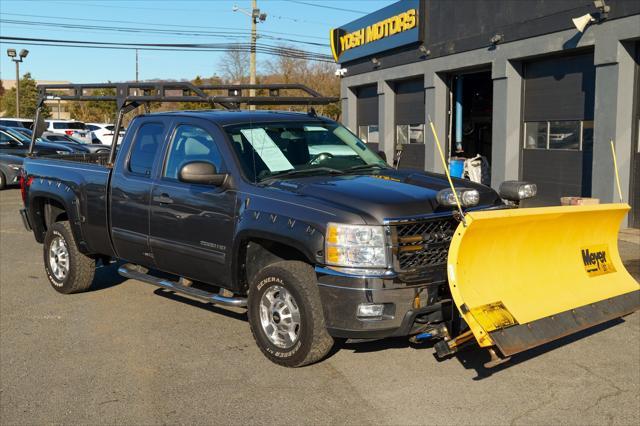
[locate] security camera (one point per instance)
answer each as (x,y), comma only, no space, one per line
(581,22)
(340,72)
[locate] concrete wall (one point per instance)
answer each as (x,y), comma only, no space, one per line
(614,64)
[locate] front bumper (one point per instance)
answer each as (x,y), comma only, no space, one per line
(403,303)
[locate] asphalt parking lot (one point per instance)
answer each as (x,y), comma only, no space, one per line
(127,352)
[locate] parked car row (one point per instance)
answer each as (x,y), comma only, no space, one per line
(95,133)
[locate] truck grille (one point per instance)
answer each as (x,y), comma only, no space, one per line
(424,243)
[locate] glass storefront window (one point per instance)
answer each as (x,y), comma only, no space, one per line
(564,135)
(416,133)
(402,134)
(369,134)
(363,133)
(535,135)
(558,135)
(373,134)
(409,133)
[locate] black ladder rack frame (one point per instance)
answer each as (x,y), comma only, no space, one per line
(129,96)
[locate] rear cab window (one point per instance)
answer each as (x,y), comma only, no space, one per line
(145,147)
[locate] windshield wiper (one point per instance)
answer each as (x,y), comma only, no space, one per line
(302,172)
(364,167)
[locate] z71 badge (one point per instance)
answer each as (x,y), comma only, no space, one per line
(596,260)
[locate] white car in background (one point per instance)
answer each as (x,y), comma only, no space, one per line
(68,127)
(16,122)
(104,132)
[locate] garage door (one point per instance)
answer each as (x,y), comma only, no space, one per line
(410,119)
(367,111)
(557,149)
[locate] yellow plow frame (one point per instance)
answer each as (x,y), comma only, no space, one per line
(524,277)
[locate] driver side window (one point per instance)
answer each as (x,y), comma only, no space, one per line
(190,143)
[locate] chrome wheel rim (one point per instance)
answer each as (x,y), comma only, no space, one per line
(280,317)
(59,258)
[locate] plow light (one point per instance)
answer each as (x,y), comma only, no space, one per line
(468,197)
(514,190)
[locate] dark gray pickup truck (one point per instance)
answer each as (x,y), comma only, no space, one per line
(287,214)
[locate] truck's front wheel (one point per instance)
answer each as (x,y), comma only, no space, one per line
(68,270)
(285,314)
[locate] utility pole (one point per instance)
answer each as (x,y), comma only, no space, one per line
(136,65)
(17,58)
(136,91)
(256,17)
(252,58)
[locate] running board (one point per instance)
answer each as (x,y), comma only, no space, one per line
(129,271)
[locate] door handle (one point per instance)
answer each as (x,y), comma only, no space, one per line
(163,199)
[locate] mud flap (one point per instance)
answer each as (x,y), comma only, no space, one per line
(524,277)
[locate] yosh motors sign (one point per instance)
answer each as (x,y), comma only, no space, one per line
(387,28)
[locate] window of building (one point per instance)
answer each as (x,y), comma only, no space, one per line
(191,143)
(558,135)
(409,133)
(369,133)
(148,140)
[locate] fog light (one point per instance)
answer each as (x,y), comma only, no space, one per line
(370,310)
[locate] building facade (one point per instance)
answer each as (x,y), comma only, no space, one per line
(516,83)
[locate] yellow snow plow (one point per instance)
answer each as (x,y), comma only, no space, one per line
(524,277)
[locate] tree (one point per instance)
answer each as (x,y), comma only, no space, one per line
(28,99)
(234,66)
(94,111)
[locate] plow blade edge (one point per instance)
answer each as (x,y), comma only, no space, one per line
(524,277)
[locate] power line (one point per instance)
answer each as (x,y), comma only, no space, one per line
(160,24)
(224,34)
(262,48)
(328,7)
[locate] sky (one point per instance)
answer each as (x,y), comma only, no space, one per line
(304,21)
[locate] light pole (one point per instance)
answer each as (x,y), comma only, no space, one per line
(12,54)
(256,17)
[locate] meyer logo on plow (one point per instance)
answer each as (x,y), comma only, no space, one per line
(596,260)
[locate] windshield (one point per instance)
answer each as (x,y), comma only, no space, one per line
(269,149)
(19,135)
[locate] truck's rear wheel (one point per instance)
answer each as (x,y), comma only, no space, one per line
(68,270)
(285,314)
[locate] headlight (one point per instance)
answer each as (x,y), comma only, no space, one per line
(467,197)
(513,190)
(355,246)
(15,167)
(62,152)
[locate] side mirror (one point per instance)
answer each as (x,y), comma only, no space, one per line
(201,172)
(513,190)
(382,155)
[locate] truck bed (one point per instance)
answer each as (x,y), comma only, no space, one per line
(80,183)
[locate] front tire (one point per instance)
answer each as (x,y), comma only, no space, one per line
(3,181)
(285,314)
(68,270)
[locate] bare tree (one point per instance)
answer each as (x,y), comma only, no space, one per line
(234,65)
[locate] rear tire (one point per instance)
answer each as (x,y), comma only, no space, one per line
(285,314)
(3,181)
(68,270)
